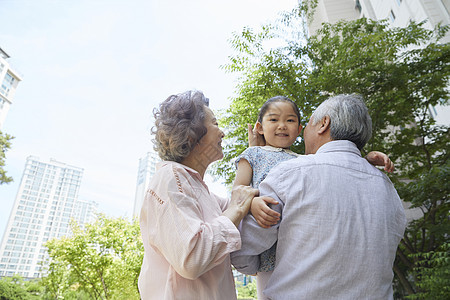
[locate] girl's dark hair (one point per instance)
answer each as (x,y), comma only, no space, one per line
(275,99)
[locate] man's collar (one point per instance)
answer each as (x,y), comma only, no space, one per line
(339,146)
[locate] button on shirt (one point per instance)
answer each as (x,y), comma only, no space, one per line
(341,222)
(186,240)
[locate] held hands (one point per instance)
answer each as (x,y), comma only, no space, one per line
(264,215)
(377,158)
(254,138)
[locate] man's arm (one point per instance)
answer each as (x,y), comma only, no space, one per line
(256,239)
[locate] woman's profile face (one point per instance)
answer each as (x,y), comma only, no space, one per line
(210,145)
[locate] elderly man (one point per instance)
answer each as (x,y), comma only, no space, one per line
(341,218)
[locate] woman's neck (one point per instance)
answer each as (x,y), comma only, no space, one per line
(193,162)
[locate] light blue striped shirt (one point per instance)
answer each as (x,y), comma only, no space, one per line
(341,222)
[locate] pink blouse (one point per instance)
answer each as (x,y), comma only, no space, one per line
(186,240)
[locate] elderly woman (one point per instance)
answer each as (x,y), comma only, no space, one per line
(188,232)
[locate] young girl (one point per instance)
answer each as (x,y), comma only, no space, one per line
(277,128)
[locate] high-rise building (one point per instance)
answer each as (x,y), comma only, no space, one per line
(85,212)
(9,79)
(399,13)
(147,167)
(46,201)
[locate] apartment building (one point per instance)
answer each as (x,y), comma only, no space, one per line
(9,80)
(46,202)
(146,170)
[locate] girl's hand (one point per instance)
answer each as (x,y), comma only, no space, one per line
(263,214)
(254,138)
(377,158)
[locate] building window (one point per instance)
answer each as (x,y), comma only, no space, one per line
(391,16)
(7,84)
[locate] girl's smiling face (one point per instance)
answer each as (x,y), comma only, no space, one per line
(280,125)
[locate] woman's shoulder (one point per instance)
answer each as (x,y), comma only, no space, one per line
(179,171)
(171,168)
(171,173)
(169,184)
(168,173)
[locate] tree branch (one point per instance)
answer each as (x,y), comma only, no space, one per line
(405,259)
(407,243)
(405,283)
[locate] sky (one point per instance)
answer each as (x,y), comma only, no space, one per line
(94,70)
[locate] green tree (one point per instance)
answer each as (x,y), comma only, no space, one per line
(15,288)
(101,261)
(5,144)
(247,291)
(401,73)
(264,73)
(433,268)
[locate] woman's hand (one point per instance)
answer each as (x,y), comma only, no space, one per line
(377,158)
(254,138)
(241,199)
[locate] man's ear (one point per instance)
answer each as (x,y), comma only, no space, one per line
(259,128)
(324,124)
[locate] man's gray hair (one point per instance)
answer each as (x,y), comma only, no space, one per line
(349,118)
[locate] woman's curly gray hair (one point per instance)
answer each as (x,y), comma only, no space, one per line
(179,125)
